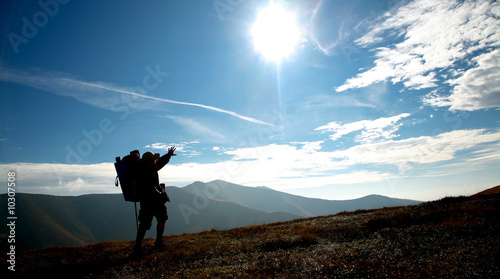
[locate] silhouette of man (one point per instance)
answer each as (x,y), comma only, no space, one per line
(148,188)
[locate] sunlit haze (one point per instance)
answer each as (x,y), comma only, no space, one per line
(395,98)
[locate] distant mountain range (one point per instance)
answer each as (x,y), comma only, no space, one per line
(44,220)
(268,200)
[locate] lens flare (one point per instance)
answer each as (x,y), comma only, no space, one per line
(275,33)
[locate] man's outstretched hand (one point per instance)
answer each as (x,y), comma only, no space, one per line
(171,151)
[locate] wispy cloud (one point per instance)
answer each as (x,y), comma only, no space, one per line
(66,85)
(198,129)
(94,93)
(371,130)
(329,101)
(181,147)
(435,38)
(316,37)
(298,161)
(418,150)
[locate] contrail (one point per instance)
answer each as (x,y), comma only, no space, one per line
(49,82)
(232,113)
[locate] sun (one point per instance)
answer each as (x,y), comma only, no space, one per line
(275,33)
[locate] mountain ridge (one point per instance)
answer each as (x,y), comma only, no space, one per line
(49,220)
(269,200)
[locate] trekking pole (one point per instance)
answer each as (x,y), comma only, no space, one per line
(136,222)
(135,206)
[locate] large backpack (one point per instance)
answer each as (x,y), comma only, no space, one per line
(127,170)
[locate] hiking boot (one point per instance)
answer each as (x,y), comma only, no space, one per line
(137,253)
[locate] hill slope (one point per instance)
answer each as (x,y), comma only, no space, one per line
(490,191)
(450,238)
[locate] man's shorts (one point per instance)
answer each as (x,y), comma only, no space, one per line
(148,210)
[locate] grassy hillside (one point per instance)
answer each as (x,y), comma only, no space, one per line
(452,238)
(45,220)
(491,191)
(49,221)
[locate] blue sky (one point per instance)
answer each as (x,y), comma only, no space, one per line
(399,98)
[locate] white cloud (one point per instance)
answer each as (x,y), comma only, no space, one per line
(436,38)
(159,146)
(419,150)
(283,166)
(182,147)
(372,130)
(476,88)
(287,161)
(275,166)
(482,157)
(58,179)
(306,165)
(76,185)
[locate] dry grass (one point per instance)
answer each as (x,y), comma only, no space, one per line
(453,238)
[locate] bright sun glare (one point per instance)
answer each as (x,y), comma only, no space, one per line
(275,33)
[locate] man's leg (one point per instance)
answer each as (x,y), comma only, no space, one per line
(159,234)
(161,218)
(145,219)
(138,240)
